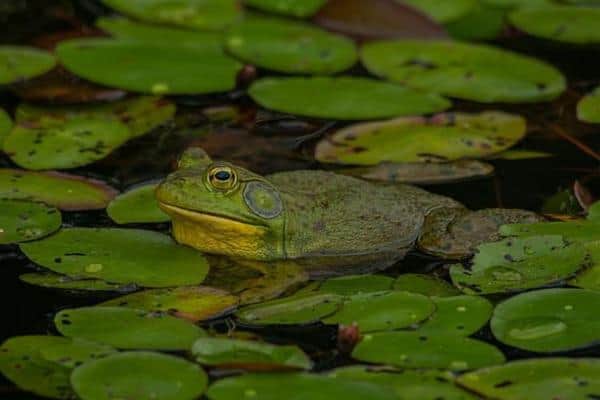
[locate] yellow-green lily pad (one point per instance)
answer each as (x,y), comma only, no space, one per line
(427,285)
(51,280)
(345,98)
(146,258)
(588,108)
(136,205)
(22,221)
(127,328)
(18,63)
(293,8)
(443,137)
(72,353)
(466,71)
(457,315)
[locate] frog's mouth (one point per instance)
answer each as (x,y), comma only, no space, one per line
(204,217)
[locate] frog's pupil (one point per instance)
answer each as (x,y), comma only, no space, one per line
(223,175)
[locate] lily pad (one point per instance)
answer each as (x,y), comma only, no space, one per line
(146,258)
(65,191)
(548,320)
(381,311)
(290,47)
(466,71)
(546,378)
(56,281)
(19,63)
(139,375)
(483,22)
(127,328)
(427,285)
(416,350)
(195,303)
(575,231)
(589,278)
(6,125)
(297,386)
(588,108)
(72,353)
(516,264)
(564,24)
(22,221)
(356,284)
(443,12)
(443,137)
(457,315)
(149,67)
(293,8)
(195,14)
(248,355)
(301,309)
(137,205)
(343,98)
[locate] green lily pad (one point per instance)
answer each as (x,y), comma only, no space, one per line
(343,98)
(301,309)
(127,328)
(589,278)
(6,125)
(381,311)
(137,205)
(548,320)
(297,386)
(516,264)
(408,384)
(422,173)
(290,47)
(443,12)
(195,14)
(483,22)
(465,71)
(195,303)
(588,108)
(19,63)
(427,285)
(123,28)
(564,24)
(64,191)
(248,355)
(520,154)
(575,231)
(416,350)
(356,284)
(22,363)
(594,212)
(149,67)
(292,8)
(139,375)
(458,315)
(520,3)
(443,137)
(60,137)
(51,280)
(146,258)
(72,353)
(22,221)
(546,378)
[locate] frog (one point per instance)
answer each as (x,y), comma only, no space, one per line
(328,223)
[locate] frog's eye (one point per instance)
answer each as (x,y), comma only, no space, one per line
(222,177)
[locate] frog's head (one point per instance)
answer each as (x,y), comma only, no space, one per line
(220,208)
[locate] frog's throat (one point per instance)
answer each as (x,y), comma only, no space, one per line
(218,234)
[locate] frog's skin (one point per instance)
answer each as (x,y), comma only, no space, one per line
(328,223)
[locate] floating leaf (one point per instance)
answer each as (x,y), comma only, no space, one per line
(149,67)
(518,154)
(127,328)
(466,71)
(55,281)
(146,258)
(343,98)
(446,136)
(195,303)
(248,355)
(297,386)
(457,315)
(293,8)
(577,231)
(301,309)
(381,311)
(546,378)
(290,47)
(548,320)
(416,350)
(588,108)
(65,191)
(5,125)
(515,264)
(564,24)
(137,205)
(22,221)
(427,285)
(443,12)
(72,353)
(356,284)
(195,14)
(483,22)
(19,63)
(139,375)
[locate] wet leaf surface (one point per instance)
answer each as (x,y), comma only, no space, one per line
(51,280)
(136,205)
(19,63)
(22,221)
(458,315)
(443,12)
(293,8)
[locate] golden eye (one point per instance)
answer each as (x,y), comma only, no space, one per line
(222,177)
